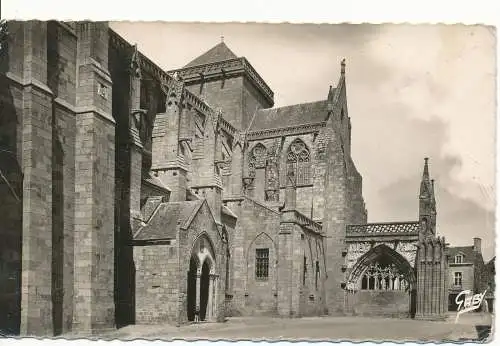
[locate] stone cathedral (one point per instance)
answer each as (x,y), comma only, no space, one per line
(130,194)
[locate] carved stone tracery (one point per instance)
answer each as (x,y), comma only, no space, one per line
(356,250)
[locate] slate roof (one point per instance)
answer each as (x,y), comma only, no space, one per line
(389,227)
(304,113)
(167,218)
(220,52)
(228,211)
(156,183)
(491,264)
(470,256)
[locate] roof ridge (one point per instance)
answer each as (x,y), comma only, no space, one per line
(293,105)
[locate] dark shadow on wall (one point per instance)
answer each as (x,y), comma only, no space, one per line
(11,194)
(191,290)
(57,234)
(58,177)
(204,287)
(124,269)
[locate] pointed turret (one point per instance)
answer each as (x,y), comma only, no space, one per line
(433,196)
(427,205)
(425,183)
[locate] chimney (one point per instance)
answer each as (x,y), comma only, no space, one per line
(477,245)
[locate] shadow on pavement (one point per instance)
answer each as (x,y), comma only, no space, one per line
(483,332)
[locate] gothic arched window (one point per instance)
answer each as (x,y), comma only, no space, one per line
(383,277)
(257,159)
(298,161)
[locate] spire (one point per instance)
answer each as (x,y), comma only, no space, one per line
(427,203)
(425,188)
(425,176)
(342,67)
(331,91)
(433,196)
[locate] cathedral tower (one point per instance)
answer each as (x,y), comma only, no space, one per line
(228,82)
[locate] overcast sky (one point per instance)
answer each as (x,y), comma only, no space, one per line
(413,91)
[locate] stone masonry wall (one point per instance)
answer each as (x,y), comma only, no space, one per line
(336,216)
(252,100)
(94,184)
(257,226)
(157,291)
(61,75)
(312,293)
(11,208)
(226,95)
(37,187)
(382,303)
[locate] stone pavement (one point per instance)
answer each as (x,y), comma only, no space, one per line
(317,328)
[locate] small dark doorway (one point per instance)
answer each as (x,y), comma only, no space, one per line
(191,290)
(204,285)
(413,303)
(452,305)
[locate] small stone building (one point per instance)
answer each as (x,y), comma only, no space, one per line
(132,194)
(467,272)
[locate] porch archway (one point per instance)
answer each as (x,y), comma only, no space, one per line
(203,281)
(382,282)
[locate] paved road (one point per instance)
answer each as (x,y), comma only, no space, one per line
(316,328)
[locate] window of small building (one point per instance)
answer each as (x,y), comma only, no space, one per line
(262,263)
(457,278)
(459,259)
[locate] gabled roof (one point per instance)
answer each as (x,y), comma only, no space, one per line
(304,113)
(167,218)
(220,52)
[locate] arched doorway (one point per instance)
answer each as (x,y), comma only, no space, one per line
(191,289)
(382,283)
(202,282)
(204,287)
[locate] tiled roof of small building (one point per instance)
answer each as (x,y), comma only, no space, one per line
(220,52)
(389,227)
(491,264)
(470,256)
(304,113)
(166,219)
